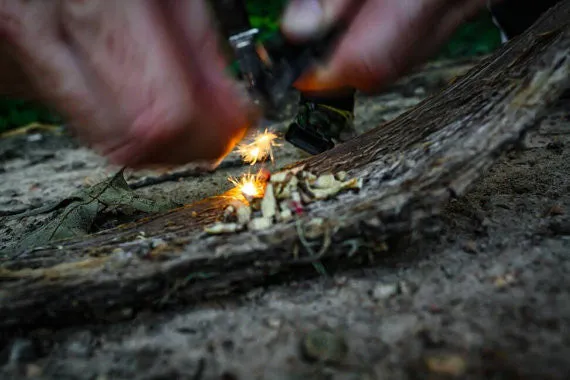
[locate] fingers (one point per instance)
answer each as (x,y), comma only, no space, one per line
(169,100)
(222,106)
(385,39)
(307,19)
(140,81)
(130,62)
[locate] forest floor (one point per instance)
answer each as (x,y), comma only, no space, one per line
(483,293)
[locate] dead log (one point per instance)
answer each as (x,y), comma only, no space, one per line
(411,167)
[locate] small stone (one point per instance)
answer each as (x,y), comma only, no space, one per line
(35,137)
(33,370)
(505,280)
(469,246)
(324,346)
(274,323)
(384,291)
(556,210)
(446,364)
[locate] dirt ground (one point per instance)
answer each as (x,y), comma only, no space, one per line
(482,293)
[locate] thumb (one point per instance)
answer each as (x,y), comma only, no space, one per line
(308,19)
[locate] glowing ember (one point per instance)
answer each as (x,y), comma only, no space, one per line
(250,185)
(259,149)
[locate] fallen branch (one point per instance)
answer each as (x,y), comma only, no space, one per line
(411,167)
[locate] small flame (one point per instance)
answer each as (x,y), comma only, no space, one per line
(249,185)
(259,149)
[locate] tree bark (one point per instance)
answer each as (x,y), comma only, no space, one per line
(411,167)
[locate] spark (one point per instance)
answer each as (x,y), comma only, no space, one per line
(259,149)
(249,186)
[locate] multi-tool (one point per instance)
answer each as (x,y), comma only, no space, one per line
(270,68)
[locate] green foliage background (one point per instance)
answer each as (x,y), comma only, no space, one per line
(477,37)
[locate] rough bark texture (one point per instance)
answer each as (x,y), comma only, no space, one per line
(412,166)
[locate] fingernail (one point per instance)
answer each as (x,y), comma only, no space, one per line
(302,19)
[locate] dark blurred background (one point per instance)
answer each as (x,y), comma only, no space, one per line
(477,37)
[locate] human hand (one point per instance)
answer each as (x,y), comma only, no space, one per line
(140,81)
(384,39)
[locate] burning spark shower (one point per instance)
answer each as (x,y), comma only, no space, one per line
(260,149)
(250,186)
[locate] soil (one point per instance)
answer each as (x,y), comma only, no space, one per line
(482,293)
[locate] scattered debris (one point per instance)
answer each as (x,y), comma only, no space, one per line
(259,201)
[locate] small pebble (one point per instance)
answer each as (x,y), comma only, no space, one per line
(384,291)
(33,370)
(324,346)
(274,323)
(469,246)
(446,364)
(556,210)
(502,281)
